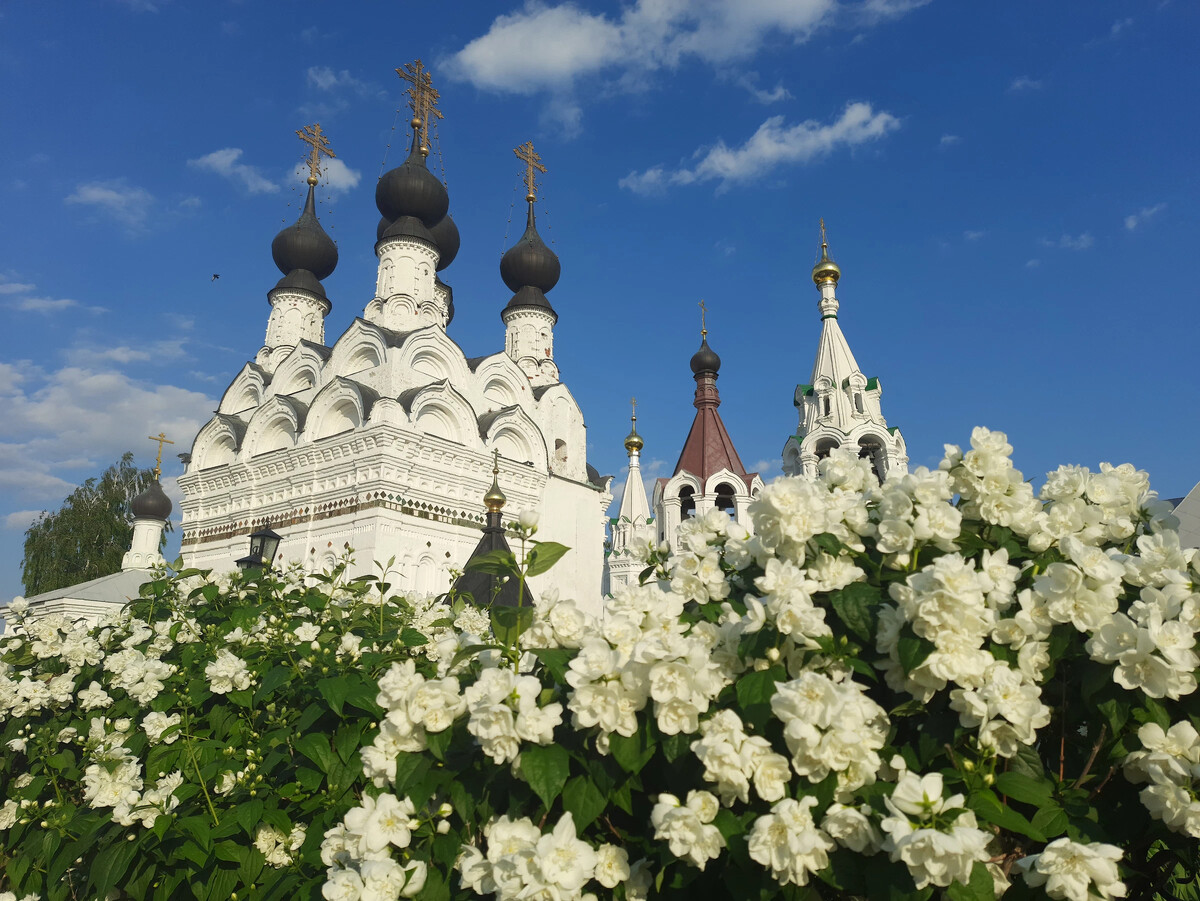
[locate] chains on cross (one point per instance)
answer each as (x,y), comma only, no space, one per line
(533,164)
(162,439)
(318,144)
(422,99)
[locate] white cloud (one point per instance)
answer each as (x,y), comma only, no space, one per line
(1132,221)
(1032,264)
(949,140)
(1024,83)
(323,78)
(774,144)
(878,10)
(126,203)
(1070,242)
(158,351)
(142,6)
(191,202)
(20,520)
(550,47)
(336,176)
(52,305)
(7,287)
(1119,26)
(50,417)
(970,235)
(749,82)
(768,469)
(225,163)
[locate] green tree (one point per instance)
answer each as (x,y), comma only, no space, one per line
(89,534)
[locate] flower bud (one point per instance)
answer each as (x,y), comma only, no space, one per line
(443,827)
(528,519)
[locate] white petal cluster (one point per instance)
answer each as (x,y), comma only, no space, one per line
(1153,645)
(831,727)
(521,862)
(687,828)
(937,844)
(990,488)
(278,847)
(227,673)
(789,843)
(358,853)
(1075,871)
(733,760)
(415,706)
(1170,762)
(502,709)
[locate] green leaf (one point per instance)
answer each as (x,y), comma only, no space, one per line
(315,747)
(249,815)
(556,660)
(546,768)
(1051,821)
(439,742)
(759,687)
(584,800)
(913,651)
(1024,788)
(496,563)
(334,690)
(855,606)
(276,676)
(980,888)
(411,638)
(108,867)
(632,753)
(990,809)
(543,556)
(509,622)
(830,544)
(675,746)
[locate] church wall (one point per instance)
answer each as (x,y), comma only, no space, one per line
(564,519)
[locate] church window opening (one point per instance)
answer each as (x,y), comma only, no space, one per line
(823,449)
(560,450)
(687,502)
(825,404)
(870,449)
(858,404)
(725,500)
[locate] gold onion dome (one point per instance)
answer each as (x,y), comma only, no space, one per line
(633,441)
(494,500)
(826,269)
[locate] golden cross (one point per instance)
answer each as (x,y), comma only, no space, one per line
(532,161)
(315,138)
(633,401)
(422,96)
(703,329)
(824,243)
(496,462)
(162,439)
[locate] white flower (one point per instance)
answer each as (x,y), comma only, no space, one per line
(227,673)
(687,828)
(612,865)
(155,724)
(1075,871)
(378,823)
(528,519)
(935,849)
(788,842)
(307,632)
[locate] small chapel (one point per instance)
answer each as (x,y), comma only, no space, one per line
(384,440)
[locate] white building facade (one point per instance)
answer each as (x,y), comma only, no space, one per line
(383,441)
(839,407)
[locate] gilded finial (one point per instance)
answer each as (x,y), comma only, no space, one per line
(422,100)
(162,439)
(533,164)
(315,138)
(494,500)
(633,441)
(703,326)
(826,269)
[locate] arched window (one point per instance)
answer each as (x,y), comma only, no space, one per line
(823,449)
(858,404)
(725,499)
(560,451)
(687,502)
(870,449)
(825,404)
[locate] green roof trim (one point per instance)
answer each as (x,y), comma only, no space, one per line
(872,384)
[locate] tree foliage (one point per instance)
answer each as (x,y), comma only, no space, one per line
(89,534)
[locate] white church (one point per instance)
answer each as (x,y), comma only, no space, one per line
(385,441)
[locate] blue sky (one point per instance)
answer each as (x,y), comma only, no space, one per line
(1010,191)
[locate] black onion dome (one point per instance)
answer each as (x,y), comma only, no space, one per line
(384,224)
(529,262)
(152,503)
(305,244)
(412,190)
(445,235)
(705,359)
(409,227)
